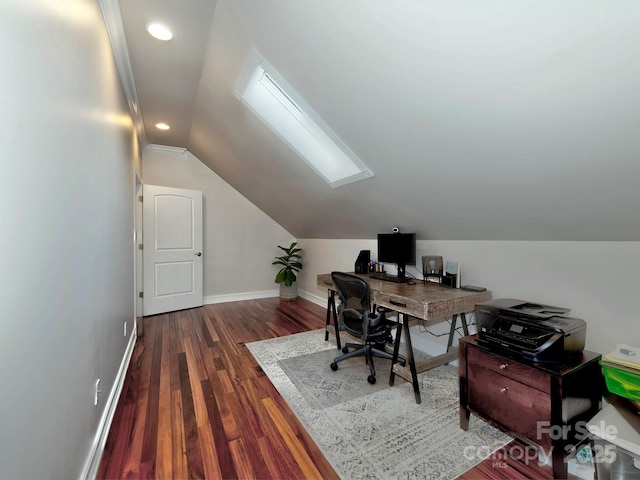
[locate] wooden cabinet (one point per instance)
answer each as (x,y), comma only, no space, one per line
(545,405)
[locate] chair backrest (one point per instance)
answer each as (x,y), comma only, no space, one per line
(355,298)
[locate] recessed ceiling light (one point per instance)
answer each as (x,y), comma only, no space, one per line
(162,126)
(159,31)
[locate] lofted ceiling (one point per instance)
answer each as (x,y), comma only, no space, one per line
(481,120)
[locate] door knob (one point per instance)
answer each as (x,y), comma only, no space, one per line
(199,254)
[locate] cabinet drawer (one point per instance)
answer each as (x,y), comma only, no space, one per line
(509,368)
(515,406)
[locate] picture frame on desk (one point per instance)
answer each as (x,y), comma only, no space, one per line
(451,276)
(432,268)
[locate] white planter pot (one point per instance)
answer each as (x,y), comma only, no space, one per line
(289,293)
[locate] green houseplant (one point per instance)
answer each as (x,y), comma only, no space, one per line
(286,276)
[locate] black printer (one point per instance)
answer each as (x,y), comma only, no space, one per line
(530,331)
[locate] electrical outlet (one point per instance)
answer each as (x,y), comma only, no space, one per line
(125,329)
(96,398)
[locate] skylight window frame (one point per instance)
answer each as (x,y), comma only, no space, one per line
(307,122)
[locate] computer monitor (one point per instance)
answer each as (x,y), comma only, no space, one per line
(398,248)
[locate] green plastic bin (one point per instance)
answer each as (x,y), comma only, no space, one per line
(622,382)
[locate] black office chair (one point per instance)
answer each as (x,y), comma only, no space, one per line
(355,316)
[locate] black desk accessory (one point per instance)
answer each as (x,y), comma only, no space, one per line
(449,280)
(472,288)
(362,262)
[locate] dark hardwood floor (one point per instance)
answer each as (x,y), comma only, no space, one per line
(514,461)
(195,403)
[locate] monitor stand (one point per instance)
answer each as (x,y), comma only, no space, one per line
(402,272)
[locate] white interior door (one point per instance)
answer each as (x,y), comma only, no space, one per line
(173,256)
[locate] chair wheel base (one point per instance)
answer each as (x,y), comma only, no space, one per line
(345,349)
(371,379)
(334,366)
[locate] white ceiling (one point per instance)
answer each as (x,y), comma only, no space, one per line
(481,120)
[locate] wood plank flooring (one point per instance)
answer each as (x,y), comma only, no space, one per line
(511,462)
(195,403)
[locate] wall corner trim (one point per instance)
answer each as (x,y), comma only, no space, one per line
(166,148)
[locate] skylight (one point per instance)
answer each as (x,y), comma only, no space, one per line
(269,97)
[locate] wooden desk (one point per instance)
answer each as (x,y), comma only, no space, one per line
(430,302)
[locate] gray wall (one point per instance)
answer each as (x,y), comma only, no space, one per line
(66,216)
(66,213)
(240,240)
(598,281)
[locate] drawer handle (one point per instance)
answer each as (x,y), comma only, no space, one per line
(398,304)
(503,366)
(504,389)
(328,283)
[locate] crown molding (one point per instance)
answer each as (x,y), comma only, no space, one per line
(166,149)
(115,29)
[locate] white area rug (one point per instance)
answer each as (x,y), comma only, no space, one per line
(375,431)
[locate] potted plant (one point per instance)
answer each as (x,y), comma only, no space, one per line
(286,276)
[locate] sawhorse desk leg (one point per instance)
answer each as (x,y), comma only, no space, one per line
(444,359)
(331,308)
(452,332)
(404,320)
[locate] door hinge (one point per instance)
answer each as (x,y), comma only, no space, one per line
(141,294)
(141,247)
(140,198)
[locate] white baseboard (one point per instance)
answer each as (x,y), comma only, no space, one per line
(317,299)
(235,297)
(95,455)
(421,342)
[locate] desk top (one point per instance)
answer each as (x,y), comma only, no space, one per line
(427,301)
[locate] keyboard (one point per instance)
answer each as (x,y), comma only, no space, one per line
(387,278)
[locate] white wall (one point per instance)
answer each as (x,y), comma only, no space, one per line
(597,280)
(240,239)
(66,214)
